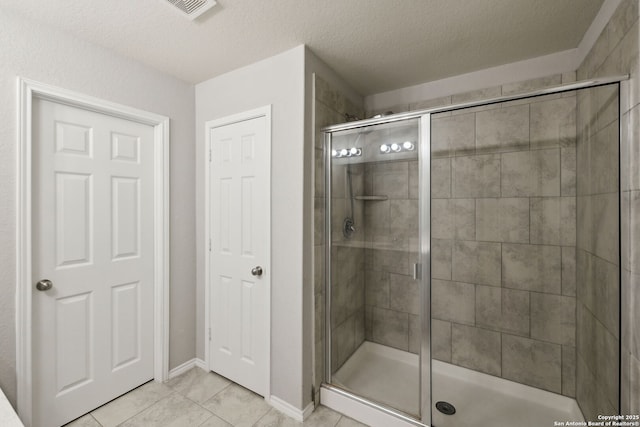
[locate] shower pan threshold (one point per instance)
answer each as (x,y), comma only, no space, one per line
(389,376)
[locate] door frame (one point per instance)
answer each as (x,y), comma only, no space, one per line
(208,126)
(28,90)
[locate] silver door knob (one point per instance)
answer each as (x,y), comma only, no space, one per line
(256,271)
(44,285)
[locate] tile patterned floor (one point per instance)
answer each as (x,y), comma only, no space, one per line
(198,398)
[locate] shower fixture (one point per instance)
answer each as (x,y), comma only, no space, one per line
(349,224)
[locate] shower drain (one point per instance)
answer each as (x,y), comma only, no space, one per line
(446,408)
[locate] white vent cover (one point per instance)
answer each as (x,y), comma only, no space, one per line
(193,8)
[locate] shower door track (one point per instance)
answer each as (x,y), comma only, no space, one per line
(425,233)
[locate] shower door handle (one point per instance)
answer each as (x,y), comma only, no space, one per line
(417,271)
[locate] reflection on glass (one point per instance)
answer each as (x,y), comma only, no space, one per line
(374,243)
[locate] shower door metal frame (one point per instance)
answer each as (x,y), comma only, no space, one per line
(422,273)
(424,159)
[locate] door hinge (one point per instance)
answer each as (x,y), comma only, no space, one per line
(209,245)
(209,154)
(209,334)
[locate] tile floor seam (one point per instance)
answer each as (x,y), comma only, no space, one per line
(94,418)
(143,409)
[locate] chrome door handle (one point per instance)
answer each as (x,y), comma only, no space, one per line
(44,285)
(256,271)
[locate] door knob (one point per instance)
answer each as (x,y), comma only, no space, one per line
(256,271)
(44,285)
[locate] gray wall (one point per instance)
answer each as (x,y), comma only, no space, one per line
(277,81)
(34,51)
(598,334)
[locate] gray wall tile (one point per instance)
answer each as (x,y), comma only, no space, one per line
(441,340)
(477,349)
(391,328)
(604,292)
(404,218)
(377,219)
(453,136)
(553,123)
(318,268)
(553,220)
(476,176)
(404,294)
(453,301)
(531,173)
(415,334)
(391,179)
(568,371)
(634,308)
(343,343)
(502,220)
(607,362)
(634,389)
(531,267)
(476,262)
(502,130)
(430,103)
(603,160)
(376,288)
(568,171)
(441,252)
(532,362)
(634,230)
(569,271)
(414,176)
(553,318)
(440,178)
(475,95)
(501,309)
(605,212)
(393,261)
(453,218)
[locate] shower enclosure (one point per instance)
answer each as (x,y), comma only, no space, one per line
(472,260)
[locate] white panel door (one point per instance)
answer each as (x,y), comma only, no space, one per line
(93,240)
(239,206)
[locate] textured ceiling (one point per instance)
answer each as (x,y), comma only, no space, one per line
(376,45)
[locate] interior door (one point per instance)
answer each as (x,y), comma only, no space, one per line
(239,273)
(92,258)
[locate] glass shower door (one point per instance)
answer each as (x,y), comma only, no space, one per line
(524,195)
(375,301)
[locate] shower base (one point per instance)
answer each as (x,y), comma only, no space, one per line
(390,376)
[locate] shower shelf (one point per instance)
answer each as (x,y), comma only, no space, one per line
(372,198)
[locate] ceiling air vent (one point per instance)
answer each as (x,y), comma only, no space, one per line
(193,8)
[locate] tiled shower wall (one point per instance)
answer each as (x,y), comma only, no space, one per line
(347,269)
(503,240)
(392,296)
(503,234)
(330,108)
(598,332)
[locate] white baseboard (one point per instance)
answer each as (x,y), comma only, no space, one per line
(290,410)
(201,364)
(181,369)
